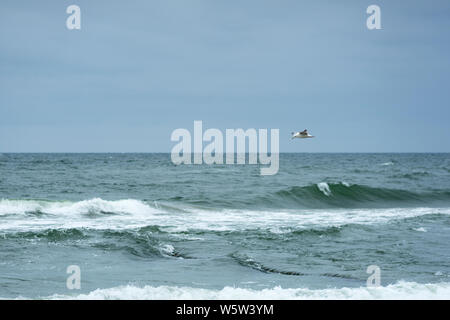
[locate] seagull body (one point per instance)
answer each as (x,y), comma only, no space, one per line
(301,134)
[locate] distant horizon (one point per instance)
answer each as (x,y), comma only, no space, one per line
(152,152)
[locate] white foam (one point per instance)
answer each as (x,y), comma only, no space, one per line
(119,214)
(398,291)
(345,183)
(166,249)
(92,206)
(325,188)
(8,207)
(286,221)
(134,214)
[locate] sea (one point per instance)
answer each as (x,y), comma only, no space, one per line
(137,226)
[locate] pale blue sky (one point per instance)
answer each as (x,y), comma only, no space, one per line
(137,70)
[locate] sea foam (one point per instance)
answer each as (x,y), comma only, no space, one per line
(92,206)
(325,188)
(400,290)
(125,214)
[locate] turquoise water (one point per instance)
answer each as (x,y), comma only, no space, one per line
(140,227)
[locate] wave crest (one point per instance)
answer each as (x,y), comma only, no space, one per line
(343,195)
(94,206)
(399,290)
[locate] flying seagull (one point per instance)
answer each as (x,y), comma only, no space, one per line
(301,134)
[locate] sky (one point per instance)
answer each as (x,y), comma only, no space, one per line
(139,69)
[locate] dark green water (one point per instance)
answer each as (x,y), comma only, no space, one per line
(140,227)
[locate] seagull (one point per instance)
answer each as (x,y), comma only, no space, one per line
(301,134)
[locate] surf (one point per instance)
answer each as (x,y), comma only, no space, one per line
(344,195)
(399,290)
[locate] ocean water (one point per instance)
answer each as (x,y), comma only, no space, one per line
(141,227)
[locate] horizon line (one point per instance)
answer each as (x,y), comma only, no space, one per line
(165,152)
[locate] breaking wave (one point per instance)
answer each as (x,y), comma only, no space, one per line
(98,214)
(398,291)
(94,206)
(316,196)
(343,195)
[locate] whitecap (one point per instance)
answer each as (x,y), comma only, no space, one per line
(92,206)
(130,214)
(399,290)
(166,249)
(325,188)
